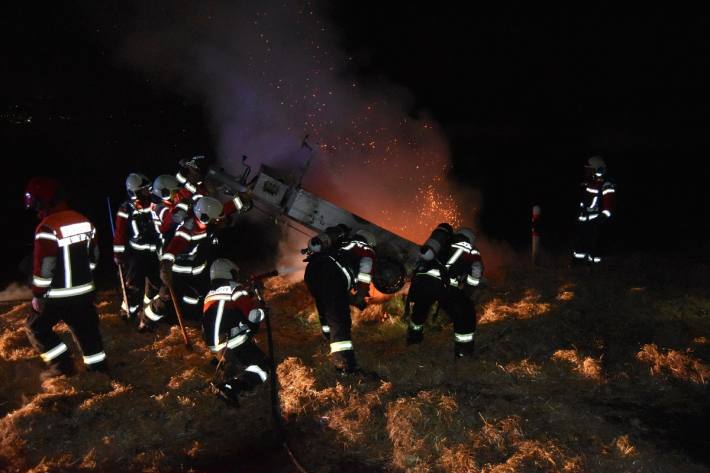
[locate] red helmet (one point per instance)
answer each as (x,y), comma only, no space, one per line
(41,193)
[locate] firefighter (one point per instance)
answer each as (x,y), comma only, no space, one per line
(231,317)
(64,258)
(338,274)
(135,244)
(170,210)
(191,176)
(183,263)
(595,210)
(427,284)
(459,273)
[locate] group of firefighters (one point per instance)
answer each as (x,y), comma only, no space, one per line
(163,244)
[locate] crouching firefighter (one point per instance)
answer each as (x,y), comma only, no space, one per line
(459,277)
(231,317)
(183,265)
(339,273)
(135,245)
(64,257)
(428,286)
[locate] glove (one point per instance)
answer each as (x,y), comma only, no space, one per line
(38,304)
(166,273)
(358,299)
(118,260)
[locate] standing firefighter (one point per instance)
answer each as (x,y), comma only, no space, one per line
(459,273)
(135,245)
(64,257)
(339,273)
(595,208)
(231,317)
(170,211)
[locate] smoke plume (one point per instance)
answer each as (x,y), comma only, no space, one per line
(271,73)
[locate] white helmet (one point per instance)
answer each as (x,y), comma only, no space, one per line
(222,268)
(207,209)
(467,233)
(136,182)
(367,236)
(164,186)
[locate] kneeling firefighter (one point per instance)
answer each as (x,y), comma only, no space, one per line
(459,277)
(339,273)
(231,317)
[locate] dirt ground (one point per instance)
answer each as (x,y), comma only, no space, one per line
(575,371)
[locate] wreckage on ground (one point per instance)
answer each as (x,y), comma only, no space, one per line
(278,193)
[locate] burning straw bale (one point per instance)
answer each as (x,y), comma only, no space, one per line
(676,364)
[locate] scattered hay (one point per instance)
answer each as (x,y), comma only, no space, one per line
(565,293)
(675,364)
(528,307)
(297,386)
(588,367)
(522,368)
(624,447)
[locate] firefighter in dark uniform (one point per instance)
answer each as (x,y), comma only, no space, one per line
(427,284)
(459,272)
(595,210)
(135,245)
(64,258)
(232,315)
(339,273)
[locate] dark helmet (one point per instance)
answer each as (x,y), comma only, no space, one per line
(597,164)
(42,193)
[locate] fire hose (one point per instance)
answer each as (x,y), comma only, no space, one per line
(275,408)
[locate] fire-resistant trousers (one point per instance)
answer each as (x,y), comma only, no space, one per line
(423,293)
(190,291)
(142,279)
(588,244)
(79,314)
(328,285)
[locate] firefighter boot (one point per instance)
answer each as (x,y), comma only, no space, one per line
(463,350)
(236,388)
(414,336)
(344,362)
(61,366)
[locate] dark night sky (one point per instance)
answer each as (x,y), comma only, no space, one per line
(523,96)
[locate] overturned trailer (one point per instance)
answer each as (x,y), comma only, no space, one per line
(278,193)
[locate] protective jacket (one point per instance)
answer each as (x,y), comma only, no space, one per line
(65,255)
(136,229)
(597,200)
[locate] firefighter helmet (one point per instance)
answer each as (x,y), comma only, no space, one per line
(467,233)
(42,193)
(207,209)
(165,185)
(365,236)
(597,164)
(135,183)
(223,268)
